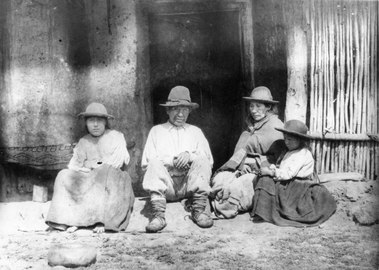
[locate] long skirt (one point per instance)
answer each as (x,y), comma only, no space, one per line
(294,203)
(104,195)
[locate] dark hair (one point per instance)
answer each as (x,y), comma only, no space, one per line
(273,107)
(304,143)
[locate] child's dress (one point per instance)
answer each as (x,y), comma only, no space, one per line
(103,195)
(293,197)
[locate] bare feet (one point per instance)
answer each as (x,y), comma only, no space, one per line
(71,229)
(99,229)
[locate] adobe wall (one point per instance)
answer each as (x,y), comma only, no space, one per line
(58,56)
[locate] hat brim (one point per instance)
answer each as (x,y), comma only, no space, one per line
(84,114)
(294,133)
(187,104)
(261,100)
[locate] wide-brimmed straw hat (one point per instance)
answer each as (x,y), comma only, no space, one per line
(261,94)
(179,96)
(96,109)
(295,128)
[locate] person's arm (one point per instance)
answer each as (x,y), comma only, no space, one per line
(77,162)
(150,150)
(202,148)
(299,164)
(118,155)
(270,171)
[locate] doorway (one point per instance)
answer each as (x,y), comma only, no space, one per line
(202,51)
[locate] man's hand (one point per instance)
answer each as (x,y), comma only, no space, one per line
(182,160)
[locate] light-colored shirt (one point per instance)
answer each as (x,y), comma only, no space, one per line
(166,141)
(296,163)
(110,148)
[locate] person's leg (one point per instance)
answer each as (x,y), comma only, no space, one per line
(198,188)
(223,205)
(242,192)
(233,195)
(157,182)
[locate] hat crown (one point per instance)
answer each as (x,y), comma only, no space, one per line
(179,93)
(296,126)
(261,93)
(96,109)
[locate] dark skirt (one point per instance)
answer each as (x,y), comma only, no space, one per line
(104,195)
(296,203)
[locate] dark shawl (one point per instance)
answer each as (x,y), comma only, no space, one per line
(296,203)
(261,139)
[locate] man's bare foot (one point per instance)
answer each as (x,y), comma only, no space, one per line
(99,229)
(72,229)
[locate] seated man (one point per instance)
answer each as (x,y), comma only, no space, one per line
(178,163)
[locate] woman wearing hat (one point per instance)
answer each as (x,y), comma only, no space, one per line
(94,191)
(232,184)
(288,194)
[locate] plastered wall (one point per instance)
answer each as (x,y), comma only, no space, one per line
(58,56)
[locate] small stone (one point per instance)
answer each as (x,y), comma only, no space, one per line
(366,213)
(71,255)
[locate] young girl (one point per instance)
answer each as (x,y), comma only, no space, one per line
(289,195)
(94,191)
(298,161)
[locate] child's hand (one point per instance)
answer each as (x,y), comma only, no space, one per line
(267,171)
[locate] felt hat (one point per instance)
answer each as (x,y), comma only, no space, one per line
(295,128)
(179,96)
(261,94)
(96,109)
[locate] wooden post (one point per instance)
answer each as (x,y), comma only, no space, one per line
(297,93)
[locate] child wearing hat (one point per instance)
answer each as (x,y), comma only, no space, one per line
(289,194)
(93,191)
(298,161)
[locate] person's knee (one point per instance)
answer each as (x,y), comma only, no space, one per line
(154,164)
(201,162)
(223,178)
(64,177)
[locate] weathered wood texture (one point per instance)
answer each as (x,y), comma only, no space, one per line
(297,92)
(344,85)
(348,176)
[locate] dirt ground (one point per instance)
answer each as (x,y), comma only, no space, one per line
(339,243)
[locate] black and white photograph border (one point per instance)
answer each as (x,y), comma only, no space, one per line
(318,58)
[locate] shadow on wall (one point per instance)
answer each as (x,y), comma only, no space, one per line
(4,58)
(17,181)
(270,49)
(77,28)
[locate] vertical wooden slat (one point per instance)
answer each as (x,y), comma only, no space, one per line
(344,82)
